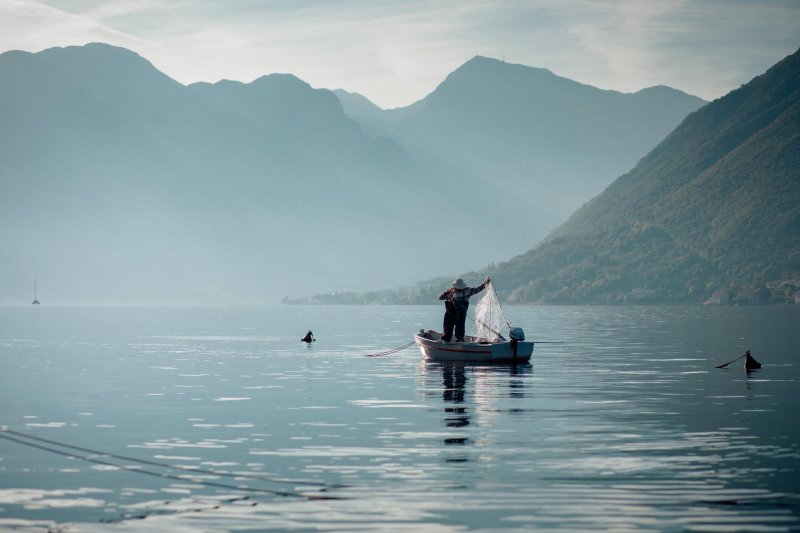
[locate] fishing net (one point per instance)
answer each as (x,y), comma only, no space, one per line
(490,321)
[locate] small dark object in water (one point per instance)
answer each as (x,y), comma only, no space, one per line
(750,362)
(309,337)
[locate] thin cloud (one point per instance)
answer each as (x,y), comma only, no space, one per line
(33,26)
(706,47)
(396,52)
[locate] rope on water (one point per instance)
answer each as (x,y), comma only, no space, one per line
(184,478)
(393,350)
(209,506)
(165,465)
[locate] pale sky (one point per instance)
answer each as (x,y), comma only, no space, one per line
(396,52)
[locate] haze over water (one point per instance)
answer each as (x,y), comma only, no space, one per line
(626,426)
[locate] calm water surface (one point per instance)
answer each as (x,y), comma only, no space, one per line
(625,426)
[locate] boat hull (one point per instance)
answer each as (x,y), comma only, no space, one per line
(472,350)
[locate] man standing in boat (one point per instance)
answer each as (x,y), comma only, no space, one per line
(456,302)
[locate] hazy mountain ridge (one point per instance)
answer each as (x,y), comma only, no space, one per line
(711,214)
(112,171)
(118,183)
(530,133)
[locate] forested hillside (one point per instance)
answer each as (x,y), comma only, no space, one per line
(715,207)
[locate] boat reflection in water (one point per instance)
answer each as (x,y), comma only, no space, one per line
(454,381)
(471,395)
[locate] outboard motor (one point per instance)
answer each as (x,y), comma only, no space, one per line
(516,335)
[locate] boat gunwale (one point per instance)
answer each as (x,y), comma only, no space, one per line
(435,349)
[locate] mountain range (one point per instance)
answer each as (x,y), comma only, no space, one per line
(525,133)
(712,214)
(120,184)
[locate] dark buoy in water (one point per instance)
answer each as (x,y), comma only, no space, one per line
(750,362)
(309,338)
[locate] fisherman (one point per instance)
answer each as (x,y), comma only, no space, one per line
(750,362)
(449,318)
(309,337)
(456,303)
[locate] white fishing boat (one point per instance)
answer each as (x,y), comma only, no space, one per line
(473,349)
(487,344)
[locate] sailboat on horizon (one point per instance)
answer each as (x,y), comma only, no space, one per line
(35,297)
